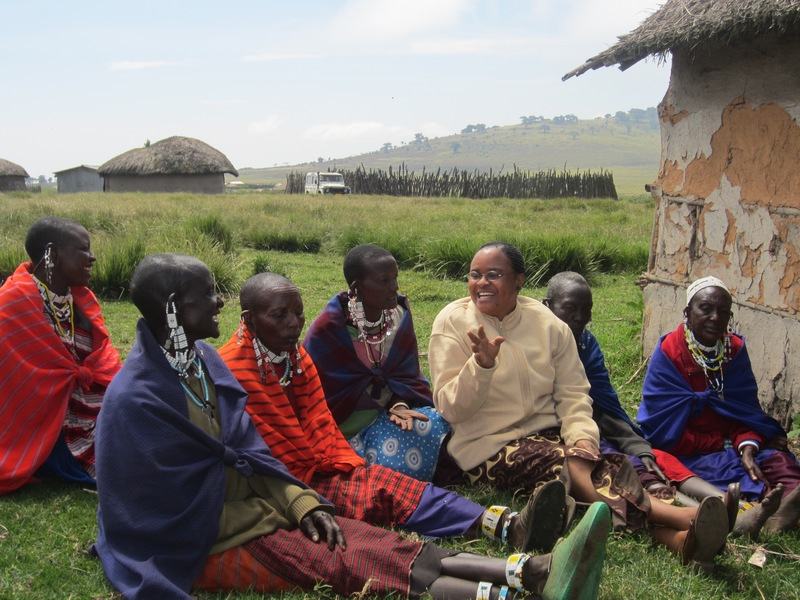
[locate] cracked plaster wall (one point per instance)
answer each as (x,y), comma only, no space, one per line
(729,202)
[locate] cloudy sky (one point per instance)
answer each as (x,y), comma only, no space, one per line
(273,81)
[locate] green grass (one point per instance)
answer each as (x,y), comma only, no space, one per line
(45,528)
(437,236)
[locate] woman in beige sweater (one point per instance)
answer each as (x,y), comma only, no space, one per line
(507,376)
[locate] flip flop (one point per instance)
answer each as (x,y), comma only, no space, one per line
(577,563)
(707,533)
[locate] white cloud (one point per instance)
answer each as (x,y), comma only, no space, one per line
(602,22)
(138,65)
(392,19)
(277,56)
(486,45)
(268,125)
(351,131)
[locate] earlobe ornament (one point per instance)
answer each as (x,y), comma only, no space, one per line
(176,339)
(49,265)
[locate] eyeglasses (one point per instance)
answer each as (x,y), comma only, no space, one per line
(490,275)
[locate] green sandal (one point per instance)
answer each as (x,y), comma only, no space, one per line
(577,563)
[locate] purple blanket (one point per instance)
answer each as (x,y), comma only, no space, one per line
(345,378)
(668,402)
(160,479)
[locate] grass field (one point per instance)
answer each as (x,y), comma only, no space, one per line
(46,528)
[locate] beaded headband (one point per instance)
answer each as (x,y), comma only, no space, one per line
(703,283)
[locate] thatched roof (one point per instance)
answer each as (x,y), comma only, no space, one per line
(171,156)
(9,169)
(689,23)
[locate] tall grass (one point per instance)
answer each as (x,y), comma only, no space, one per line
(10,259)
(112,272)
(214,229)
(283,241)
(437,236)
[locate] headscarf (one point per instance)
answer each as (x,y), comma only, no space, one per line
(703,283)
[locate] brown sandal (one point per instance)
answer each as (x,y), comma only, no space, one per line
(543,517)
(707,534)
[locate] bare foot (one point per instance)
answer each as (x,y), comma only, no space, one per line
(749,522)
(785,518)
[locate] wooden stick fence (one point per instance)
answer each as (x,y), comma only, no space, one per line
(471,184)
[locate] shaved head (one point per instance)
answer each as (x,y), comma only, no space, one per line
(49,231)
(561,282)
(159,275)
(272,310)
(260,286)
(570,298)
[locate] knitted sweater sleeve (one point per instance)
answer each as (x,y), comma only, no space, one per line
(461,386)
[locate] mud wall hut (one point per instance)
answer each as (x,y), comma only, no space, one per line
(83,178)
(728,193)
(12,176)
(174,164)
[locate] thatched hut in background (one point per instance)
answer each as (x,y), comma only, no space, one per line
(83,178)
(174,164)
(728,192)
(12,176)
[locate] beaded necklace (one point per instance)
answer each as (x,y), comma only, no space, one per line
(709,358)
(384,324)
(266,358)
(204,403)
(60,309)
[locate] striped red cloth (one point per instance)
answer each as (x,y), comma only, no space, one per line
(300,431)
(375,494)
(38,374)
(375,558)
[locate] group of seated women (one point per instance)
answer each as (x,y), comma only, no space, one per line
(274,464)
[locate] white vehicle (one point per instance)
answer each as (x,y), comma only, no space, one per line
(325,183)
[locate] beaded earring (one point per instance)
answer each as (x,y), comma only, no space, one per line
(354,306)
(298,369)
(176,340)
(240,329)
(49,265)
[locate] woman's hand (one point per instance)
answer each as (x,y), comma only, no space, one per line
(589,446)
(650,464)
(749,463)
(402,416)
(485,351)
(318,521)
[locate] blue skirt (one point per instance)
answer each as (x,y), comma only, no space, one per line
(413,453)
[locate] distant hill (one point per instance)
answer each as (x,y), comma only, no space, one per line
(626,143)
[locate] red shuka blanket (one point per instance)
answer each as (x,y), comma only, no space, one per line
(295,422)
(38,374)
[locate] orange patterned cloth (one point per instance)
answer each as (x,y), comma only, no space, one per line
(38,375)
(294,421)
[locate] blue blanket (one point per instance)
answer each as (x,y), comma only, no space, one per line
(604,396)
(160,479)
(668,402)
(345,378)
